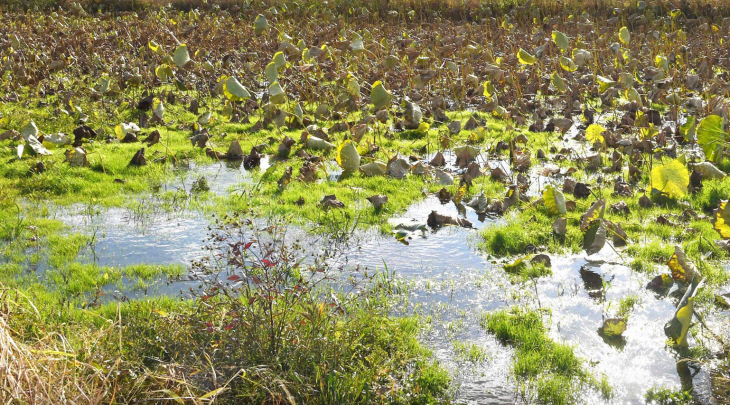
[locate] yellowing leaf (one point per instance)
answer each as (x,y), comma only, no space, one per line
(379,96)
(567,64)
(648,132)
(181,57)
(123,129)
(604,83)
(626,80)
(561,40)
(459,195)
(271,73)
(279,60)
(499,112)
(593,133)
(479,135)
(525,58)
(156,48)
(353,87)
(158,108)
(554,201)
(516,265)
(376,168)
(260,24)
(633,95)
(613,327)
(671,179)
(234,90)
(423,127)
(596,211)
(347,157)
(624,35)
(663,281)
(721,220)
(276,93)
(678,327)
(163,72)
(558,82)
(682,36)
(488,89)
(682,269)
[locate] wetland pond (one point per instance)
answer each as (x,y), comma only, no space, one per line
(449,282)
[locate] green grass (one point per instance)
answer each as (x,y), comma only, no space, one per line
(523,270)
(533,226)
(470,352)
(666,396)
(650,243)
(626,305)
(361,355)
(109,179)
(549,372)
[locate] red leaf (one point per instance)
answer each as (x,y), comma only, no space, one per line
(268,263)
(234,277)
(248,245)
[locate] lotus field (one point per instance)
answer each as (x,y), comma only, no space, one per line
(386,202)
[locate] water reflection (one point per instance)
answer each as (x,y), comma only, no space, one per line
(452,285)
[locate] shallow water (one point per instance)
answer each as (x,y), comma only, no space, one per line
(221,178)
(633,364)
(470,284)
(122,240)
(452,284)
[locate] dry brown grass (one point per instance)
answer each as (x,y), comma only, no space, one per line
(47,372)
(50,370)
